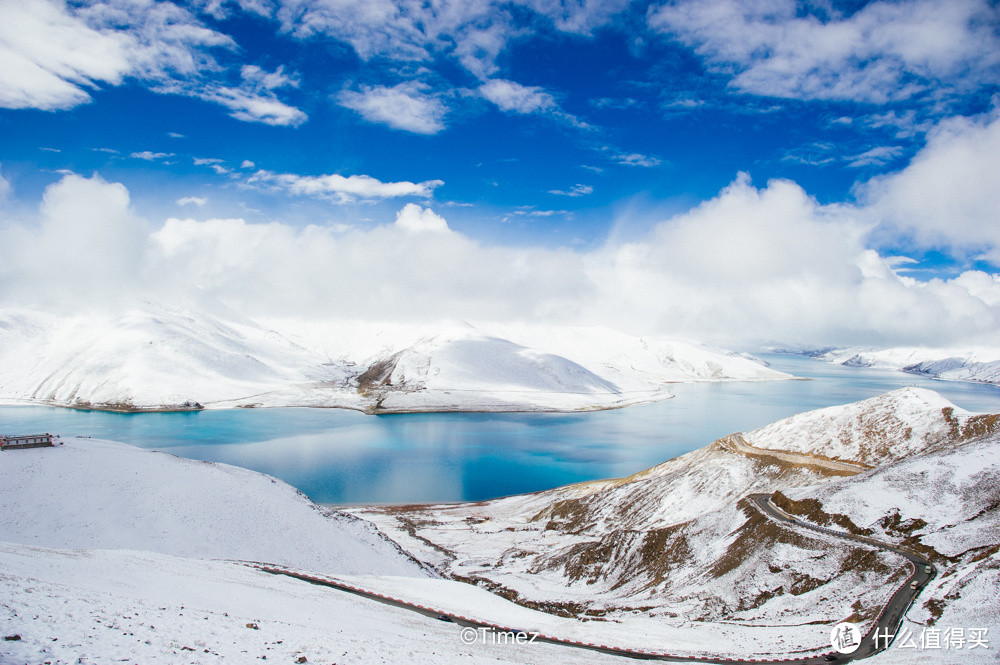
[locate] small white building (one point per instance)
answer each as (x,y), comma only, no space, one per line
(26,441)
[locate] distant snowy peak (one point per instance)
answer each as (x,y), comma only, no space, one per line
(875,431)
(192,355)
(145,359)
(980,365)
(477,362)
(500,366)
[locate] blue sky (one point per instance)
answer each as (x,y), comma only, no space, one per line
(546,125)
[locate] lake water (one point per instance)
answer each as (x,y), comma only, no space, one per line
(337,456)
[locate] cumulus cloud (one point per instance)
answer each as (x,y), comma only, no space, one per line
(407,106)
(752,264)
(883,52)
(415,219)
(87,248)
(948,196)
(192,200)
(343,189)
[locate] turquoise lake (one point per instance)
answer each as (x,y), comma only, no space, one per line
(345,457)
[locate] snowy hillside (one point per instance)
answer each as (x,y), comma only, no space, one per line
(680,543)
(92,494)
(201,354)
(874,431)
(978,365)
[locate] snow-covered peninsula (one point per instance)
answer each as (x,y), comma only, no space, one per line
(977,365)
(169,357)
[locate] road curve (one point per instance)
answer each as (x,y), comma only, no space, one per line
(889,618)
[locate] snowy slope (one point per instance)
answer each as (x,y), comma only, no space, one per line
(147,358)
(95,607)
(197,352)
(877,430)
(92,494)
(981,365)
(678,543)
(945,504)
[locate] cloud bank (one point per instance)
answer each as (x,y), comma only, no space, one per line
(751,265)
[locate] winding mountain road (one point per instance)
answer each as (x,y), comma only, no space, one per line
(889,619)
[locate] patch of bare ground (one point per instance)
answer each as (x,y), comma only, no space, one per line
(623,557)
(558,608)
(412,526)
(987,556)
(975,427)
(378,375)
(758,533)
(811,510)
(567,515)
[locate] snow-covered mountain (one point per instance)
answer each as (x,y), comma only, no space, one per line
(680,543)
(196,355)
(981,365)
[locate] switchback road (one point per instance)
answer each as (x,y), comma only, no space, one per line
(889,619)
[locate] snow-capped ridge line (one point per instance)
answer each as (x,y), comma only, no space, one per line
(185,356)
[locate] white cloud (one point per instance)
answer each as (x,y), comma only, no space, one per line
(192,200)
(87,228)
(748,265)
(415,219)
(50,58)
(255,77)
(54,54)
(406,106)
(949,194)
(343,189)
(885,51)
(575,190)
(6,189)
(637,159)
(876,156)
(514,97)
(150,156)
(247,164)
(214,163)
(248,105)
(175,135)
(473,32)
